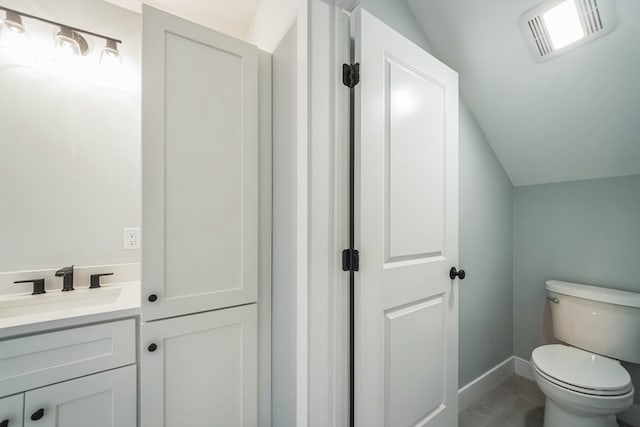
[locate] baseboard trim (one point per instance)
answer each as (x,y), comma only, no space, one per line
(631,415)
(523,368)
(478,388)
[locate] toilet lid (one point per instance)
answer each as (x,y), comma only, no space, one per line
(581,368)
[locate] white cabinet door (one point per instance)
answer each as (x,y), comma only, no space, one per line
(200,168)
(11,409)
(107,399)
(202,371)
(407,308)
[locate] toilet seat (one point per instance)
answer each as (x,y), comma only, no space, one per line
(580,371)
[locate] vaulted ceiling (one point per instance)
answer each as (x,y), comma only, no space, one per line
(574,117)
(231,17)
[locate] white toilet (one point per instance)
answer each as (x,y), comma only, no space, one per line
(584,383)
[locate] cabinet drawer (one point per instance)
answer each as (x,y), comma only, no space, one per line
(39,360)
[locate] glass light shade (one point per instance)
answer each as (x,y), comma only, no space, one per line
(110,68)
(69,47)
(66,46)
(15,42)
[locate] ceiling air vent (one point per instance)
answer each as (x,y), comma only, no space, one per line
(590,15)
(557,26)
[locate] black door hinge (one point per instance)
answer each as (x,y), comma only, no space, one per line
(350,260)
(350,74)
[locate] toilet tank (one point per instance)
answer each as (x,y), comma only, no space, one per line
(600,320)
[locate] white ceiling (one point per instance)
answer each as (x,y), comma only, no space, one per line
(232,17)
(574,117)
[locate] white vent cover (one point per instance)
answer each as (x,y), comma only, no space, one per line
(596,17)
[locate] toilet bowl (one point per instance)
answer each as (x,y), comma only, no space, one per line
(582,389)
(583,381)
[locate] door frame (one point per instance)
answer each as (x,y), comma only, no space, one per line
(322,203)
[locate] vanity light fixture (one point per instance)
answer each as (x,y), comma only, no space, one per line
(557,26)
(70,42)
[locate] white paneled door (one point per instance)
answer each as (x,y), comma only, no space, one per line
(200,168)
(406,327)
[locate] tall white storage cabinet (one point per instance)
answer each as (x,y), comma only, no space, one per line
(198,333)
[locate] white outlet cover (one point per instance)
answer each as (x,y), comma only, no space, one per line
(132,238)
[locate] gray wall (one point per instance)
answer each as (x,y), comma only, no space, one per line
(486,208)
(486,239)
(283,295)
(583,231)
(69,145)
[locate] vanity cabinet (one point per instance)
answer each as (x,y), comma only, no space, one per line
(77,377)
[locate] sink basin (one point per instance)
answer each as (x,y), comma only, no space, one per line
(25,313)
(25,305)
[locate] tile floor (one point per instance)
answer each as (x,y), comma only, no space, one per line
(517,402)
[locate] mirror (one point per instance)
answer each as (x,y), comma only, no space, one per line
(70,168)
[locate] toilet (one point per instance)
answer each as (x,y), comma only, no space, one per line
(583,381)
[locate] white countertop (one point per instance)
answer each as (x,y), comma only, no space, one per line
(22,314)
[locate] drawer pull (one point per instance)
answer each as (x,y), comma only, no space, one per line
(4,423)
(153,298)
(152,347)
(37,415)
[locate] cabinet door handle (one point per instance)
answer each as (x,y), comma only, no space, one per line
(152,347)
(37,415)
(153,298)
(4,423)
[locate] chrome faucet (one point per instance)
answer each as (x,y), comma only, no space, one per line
(67,278)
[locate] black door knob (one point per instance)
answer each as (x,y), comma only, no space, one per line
(153,298)
(37,415)
(459,273)
(4,423)
(152,347)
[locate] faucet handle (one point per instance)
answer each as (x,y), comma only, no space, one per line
(38,285)
(95,279)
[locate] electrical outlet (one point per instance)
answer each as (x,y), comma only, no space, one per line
(132,238)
